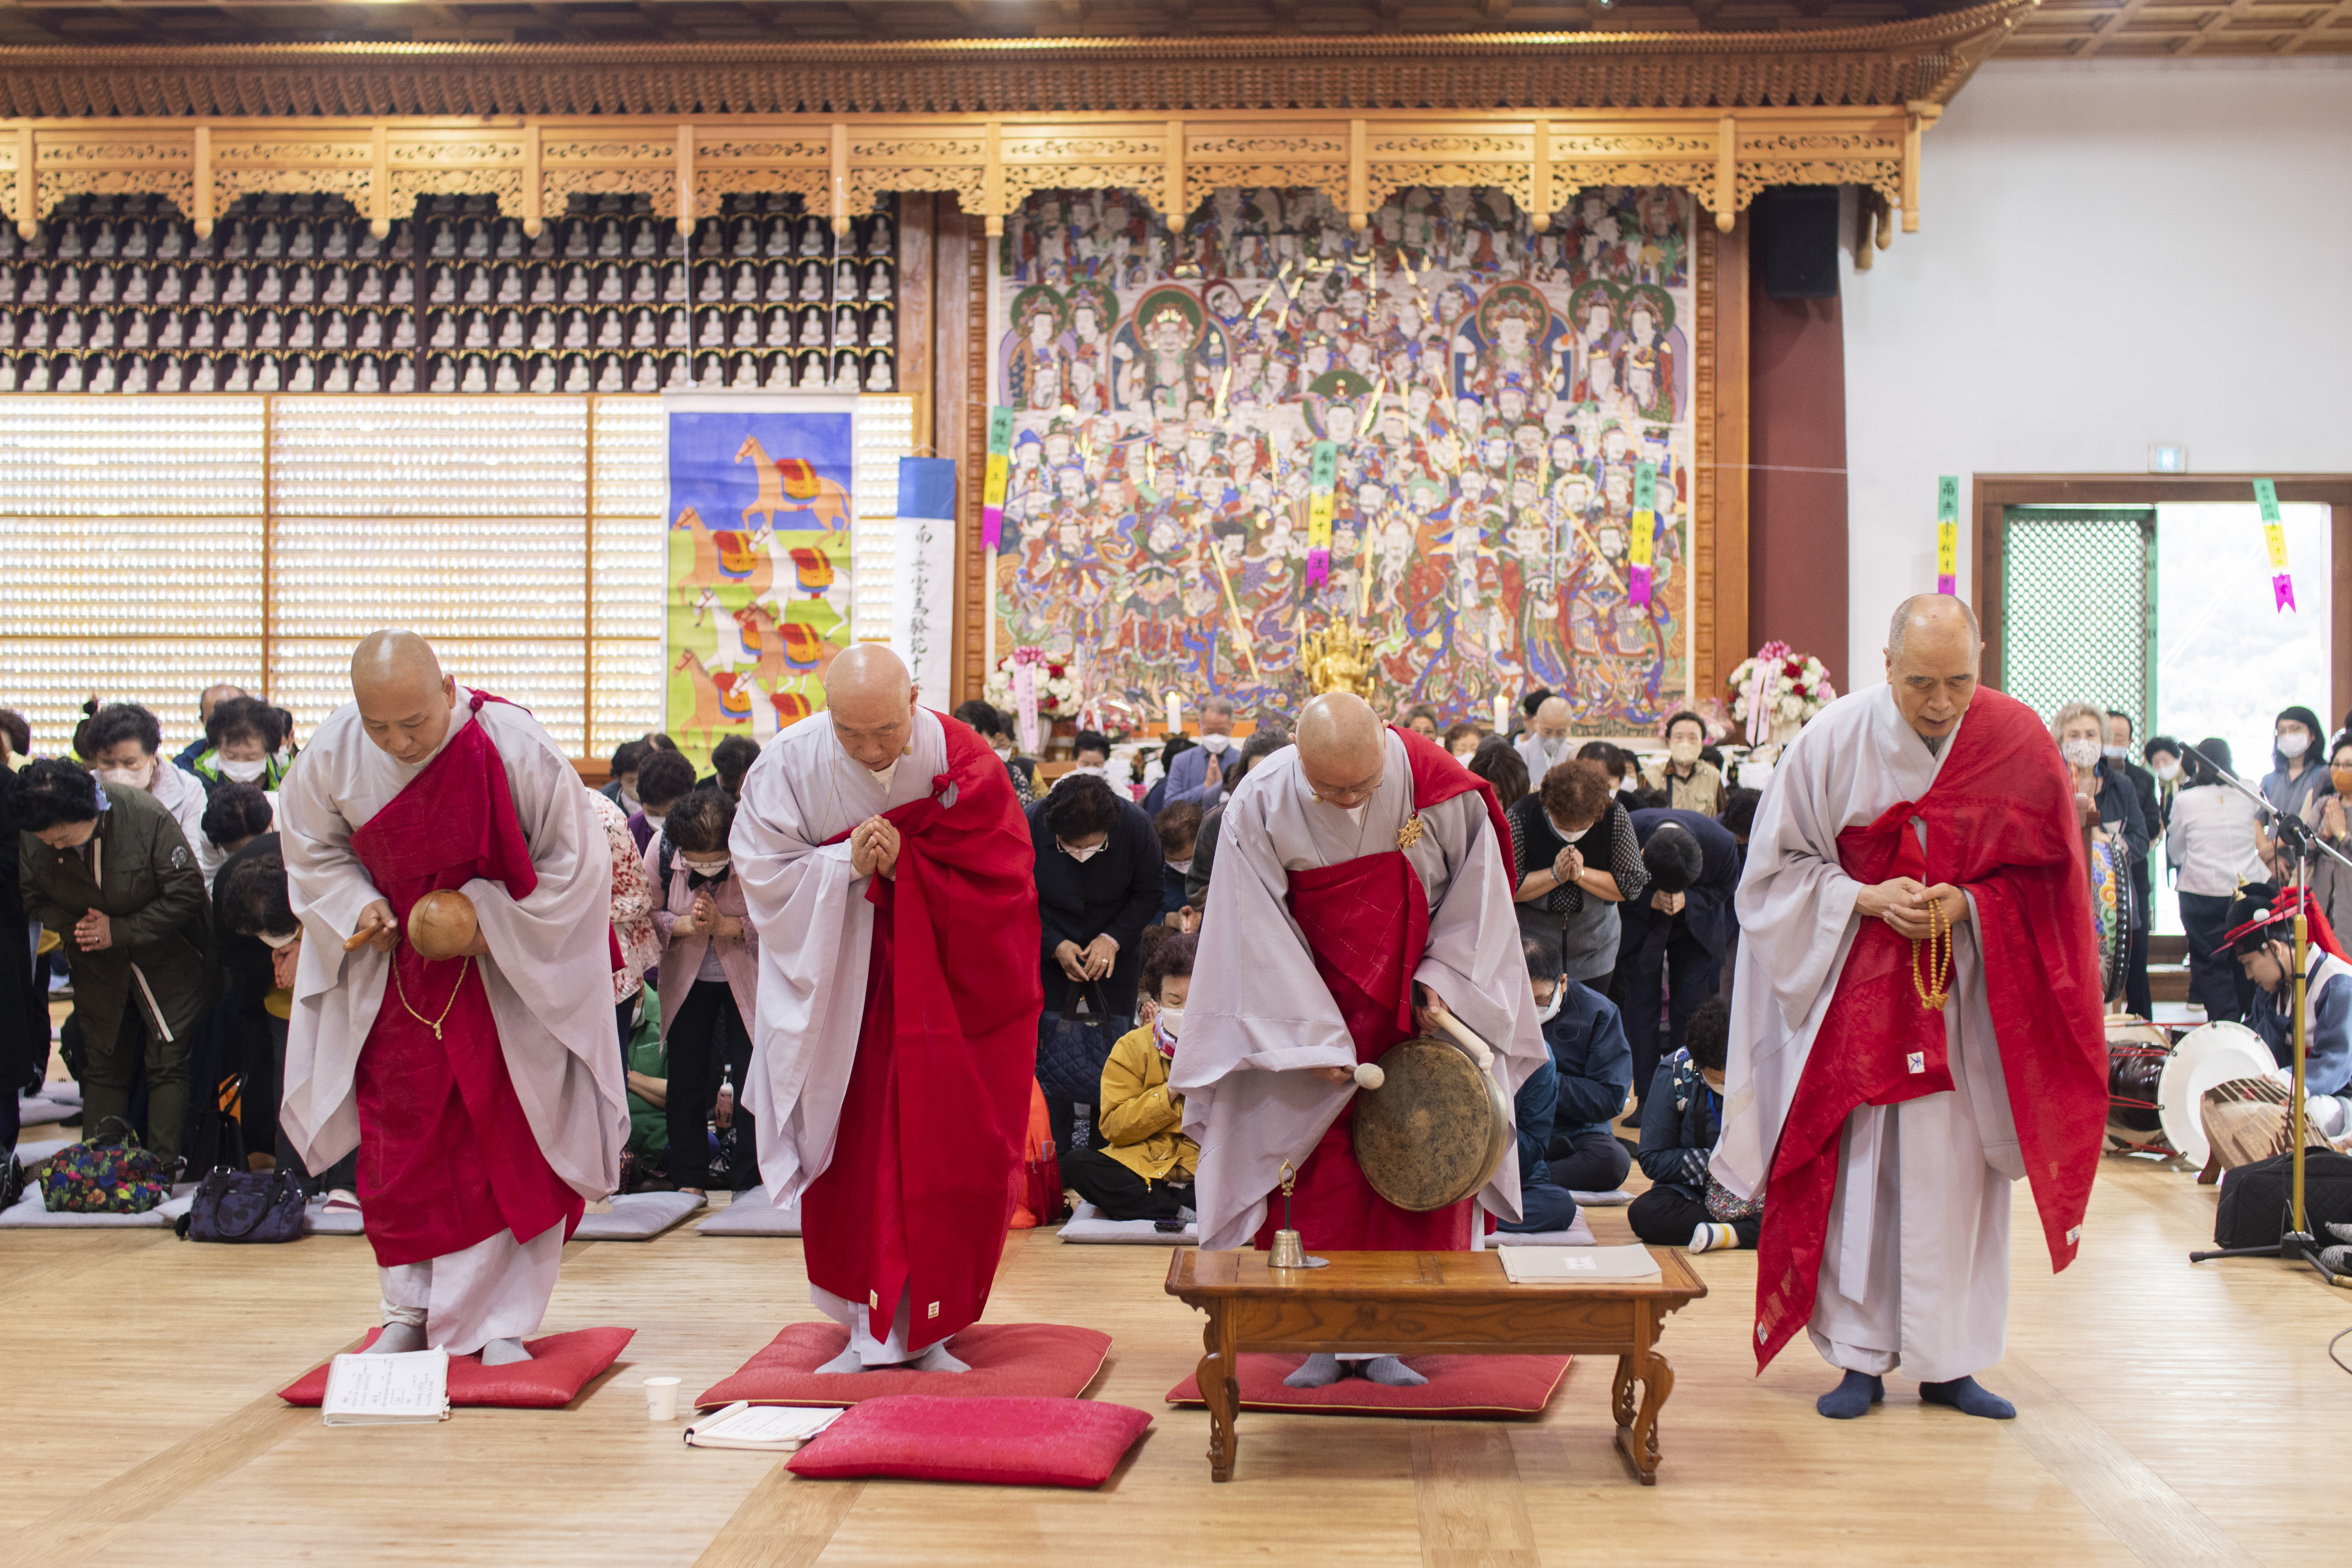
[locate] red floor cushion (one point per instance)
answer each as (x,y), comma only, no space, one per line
(994,1442)
(1006,1359)
(561,1365)
(1469,1386)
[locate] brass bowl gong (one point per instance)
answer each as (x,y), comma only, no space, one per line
(1435,1130)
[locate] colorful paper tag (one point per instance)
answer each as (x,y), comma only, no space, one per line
(1645,524)
(999,471)
(2274,536)
(1948,534)
(1323,475)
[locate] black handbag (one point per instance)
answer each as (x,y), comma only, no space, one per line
(1072,1048)
(2256,1199)
(245,1206)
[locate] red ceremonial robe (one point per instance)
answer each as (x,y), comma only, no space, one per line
(447,1157)
(2000,821)
(1366,920)
(937,1107)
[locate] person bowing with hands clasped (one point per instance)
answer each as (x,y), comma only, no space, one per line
(1916,1021)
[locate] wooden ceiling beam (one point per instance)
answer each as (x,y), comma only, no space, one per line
(2115,24)
(2211,24)
(2323,18)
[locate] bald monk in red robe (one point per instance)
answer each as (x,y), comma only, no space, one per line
(889,873)
(482,1091)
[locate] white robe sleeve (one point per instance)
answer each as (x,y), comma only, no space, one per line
(548,971)
(336,993)
(1266,1013)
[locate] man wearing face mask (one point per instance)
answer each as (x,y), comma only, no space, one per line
(1199,775)
(482,1090)
(1547,739)
(1364,884)
(890,877)
(1688,783)
(120,741)
(1916,1021)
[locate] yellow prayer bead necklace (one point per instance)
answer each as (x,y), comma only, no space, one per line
(1937,989)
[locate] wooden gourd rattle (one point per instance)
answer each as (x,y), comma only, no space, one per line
(441,924)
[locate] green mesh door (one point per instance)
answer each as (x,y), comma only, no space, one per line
(2078,608)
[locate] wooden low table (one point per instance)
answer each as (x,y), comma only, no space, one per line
(1428,1303)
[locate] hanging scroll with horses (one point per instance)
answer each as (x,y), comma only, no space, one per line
(759,598)
(1473,439)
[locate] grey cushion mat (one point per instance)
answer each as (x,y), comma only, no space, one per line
(317,1221)
(1087,1226)
(1577,1235)
(28,1214)
(752,1214)
(1616,1200)
(637,1217)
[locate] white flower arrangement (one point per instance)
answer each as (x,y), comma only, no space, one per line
(1057,689)
(1795,686)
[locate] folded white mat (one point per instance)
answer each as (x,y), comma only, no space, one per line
(752,1214)
(28,1214)
(1577,1235)
(1616,1200)
(41,1148)
(1087,1226)
(42,1110)
(637,1217)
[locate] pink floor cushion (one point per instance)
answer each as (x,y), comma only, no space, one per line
(1469,1386)
(1036,1360)
(561,1365)
(994,1442)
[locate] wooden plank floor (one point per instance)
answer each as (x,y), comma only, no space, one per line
(2170,1415)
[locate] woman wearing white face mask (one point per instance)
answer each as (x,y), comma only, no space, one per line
(1574,853)
(2297,770)
(710,985)
(2215,845)
(245,735)
(122,742)
(1099,878)
(2101,793)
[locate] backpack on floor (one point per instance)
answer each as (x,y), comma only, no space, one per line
(2255,1198)
(110,1173)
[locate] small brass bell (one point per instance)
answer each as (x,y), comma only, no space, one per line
(1289,1252)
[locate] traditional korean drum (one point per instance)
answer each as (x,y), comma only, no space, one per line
(2137,1052)
(442,924)
(2111,913)
(1435,1130)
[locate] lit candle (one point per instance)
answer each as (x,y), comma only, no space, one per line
(1502,713)
(1175,714)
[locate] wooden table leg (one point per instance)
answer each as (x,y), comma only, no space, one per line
(1218,1380)
(1622,1403)
(1639,1442)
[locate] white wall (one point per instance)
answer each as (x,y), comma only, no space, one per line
(2109,255)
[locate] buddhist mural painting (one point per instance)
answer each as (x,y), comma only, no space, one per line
(1232,434)
(759,596)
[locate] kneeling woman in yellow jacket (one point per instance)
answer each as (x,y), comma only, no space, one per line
(1142,1167)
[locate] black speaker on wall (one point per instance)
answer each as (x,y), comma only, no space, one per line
(1796,228)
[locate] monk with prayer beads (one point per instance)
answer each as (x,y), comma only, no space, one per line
(480,1087)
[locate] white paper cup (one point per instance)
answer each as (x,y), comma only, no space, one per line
(661,1398)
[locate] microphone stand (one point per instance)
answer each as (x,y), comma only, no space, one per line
(2296,1244)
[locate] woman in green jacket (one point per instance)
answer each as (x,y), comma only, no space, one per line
(110,871)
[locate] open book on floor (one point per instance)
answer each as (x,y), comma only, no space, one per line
(774,1428)
(387,1390)
(1577,1264)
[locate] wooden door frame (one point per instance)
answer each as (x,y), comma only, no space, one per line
(1993,494)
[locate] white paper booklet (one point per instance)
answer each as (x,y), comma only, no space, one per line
(777,1428)
(1577,1264)
(381,1390)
